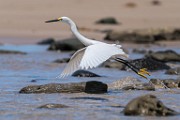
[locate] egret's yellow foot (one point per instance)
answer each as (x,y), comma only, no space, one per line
(144,71)
(141,74)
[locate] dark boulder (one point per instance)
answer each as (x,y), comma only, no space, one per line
(53,105)
(70,44)
(47,41)
(173,71)
(93,87)
(147,105)
(84,73)
(108,20)
(165,56)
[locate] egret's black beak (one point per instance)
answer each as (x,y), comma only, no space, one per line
(49,21)
(55,20)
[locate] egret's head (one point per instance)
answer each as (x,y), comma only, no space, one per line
(63,19)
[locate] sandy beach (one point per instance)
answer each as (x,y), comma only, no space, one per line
(22,22)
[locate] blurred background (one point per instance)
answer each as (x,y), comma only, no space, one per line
(22,21)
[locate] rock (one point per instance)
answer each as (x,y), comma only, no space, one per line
(11,52)
(173,71)
(142,86)
(52,105)
(90,98)
(130,83)
(144,35)
(165,56)
(34,80)
(163,83)
(131,5)
(84,73)
(71,44)
(149,63)
(108,20)
(47,41)
(113,64)
(93,87)
(147,105)
(140,51)
(128,37)
(119,84)
(64,60)
(156,2)
(146,62)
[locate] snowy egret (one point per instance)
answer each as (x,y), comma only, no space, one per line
(94,53)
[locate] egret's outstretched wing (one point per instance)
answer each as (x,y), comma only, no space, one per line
(74,63)
(98,53)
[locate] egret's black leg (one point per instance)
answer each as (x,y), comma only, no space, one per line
(132,67)
(138,71)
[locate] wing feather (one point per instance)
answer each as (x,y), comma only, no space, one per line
(98,53)
(91,56)
(73,64)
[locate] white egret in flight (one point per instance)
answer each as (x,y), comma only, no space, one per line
(94,54)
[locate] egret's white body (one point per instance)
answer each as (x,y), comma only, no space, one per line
(94,54)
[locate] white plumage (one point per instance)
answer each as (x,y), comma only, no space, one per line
(94,54)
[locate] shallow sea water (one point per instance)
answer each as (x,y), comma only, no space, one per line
(17,71)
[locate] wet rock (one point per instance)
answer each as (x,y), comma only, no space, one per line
(146,62)
(173,71)
(165,56)
(52,105)
(140,51)
(119,84)
(47,41)
(163,83)
(147,105)
(11,52)
(64,60)
(84,73)
(130,83)
(108,20)
(113,64)
(149,63)
(70,44)
(144,35)
(93,87)
(142,86)
(33,80)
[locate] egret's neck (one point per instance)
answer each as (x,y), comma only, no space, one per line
(75,31)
